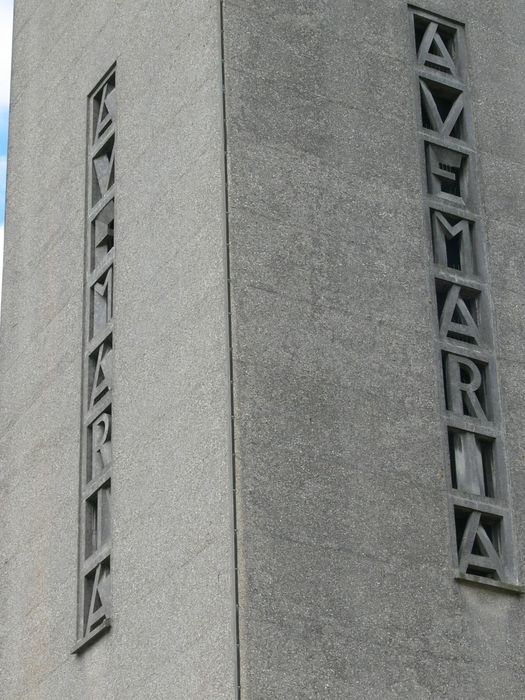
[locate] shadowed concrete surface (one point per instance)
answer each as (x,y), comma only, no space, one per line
(346,583)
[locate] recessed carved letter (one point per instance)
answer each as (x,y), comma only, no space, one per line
(468,459)
(102,378)
(443,230)
(433,51)
(476,539)
(104,165)
(462,395)
(445,172)
(443,127)
(456,317)
(101,443)
(99,599)
(107,110)
(103,304)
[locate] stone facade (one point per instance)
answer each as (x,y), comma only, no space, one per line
(282,490)
(171,551)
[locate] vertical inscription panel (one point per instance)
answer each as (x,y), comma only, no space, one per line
(483,549)
(94,567)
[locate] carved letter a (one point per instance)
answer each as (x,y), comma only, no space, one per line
(432,39)
(455,304)
(489,559)
(99,597)
(103,374)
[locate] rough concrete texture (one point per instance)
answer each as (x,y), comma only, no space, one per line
(172,634)
(346,585)
(345,577)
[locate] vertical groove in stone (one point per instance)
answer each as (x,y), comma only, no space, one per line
(94,567)
(230,350)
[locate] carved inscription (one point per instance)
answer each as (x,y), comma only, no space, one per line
(436,47)
(479,493)
(447,174)
(94,593)
(443,114)
(478,549)
(452,243)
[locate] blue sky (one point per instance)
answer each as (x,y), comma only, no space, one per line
(6,13)
(3,153)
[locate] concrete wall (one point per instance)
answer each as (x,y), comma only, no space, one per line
(345,578)
(172,634)
(346,583)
